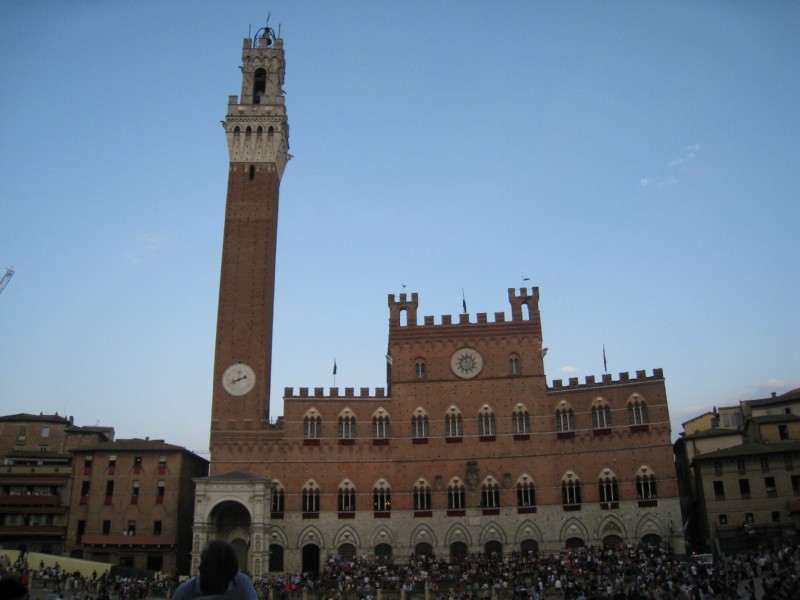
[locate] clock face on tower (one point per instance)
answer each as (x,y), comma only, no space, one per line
(466,363)
(238,379)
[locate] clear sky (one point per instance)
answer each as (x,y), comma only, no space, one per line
(638,161)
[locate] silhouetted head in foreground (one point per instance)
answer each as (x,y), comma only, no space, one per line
(12,589)
(218,567)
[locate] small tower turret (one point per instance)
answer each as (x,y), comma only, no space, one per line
(523,299)
(396,308)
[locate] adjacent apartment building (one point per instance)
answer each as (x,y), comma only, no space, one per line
(36,478)
(79,492)
(131,504)
(739,469)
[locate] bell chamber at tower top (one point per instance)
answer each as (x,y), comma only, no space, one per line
(256,125)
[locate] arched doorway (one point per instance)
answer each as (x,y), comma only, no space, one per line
(529,547)
(458,551)
(493,548)
(383,551)
(230,521)
(651,539)
(275,558)
(423,549)
(229,516)
(311,560)
(347,552)
(574,542)
(612,541)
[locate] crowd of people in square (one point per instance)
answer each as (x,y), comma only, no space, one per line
(629,572)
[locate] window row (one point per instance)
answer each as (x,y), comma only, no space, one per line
(133,463)
(12,519)
(750,519)
(128,530)
(379,499)
(770,487)
(485,422)
(763,464)
(601,413)
(135,492)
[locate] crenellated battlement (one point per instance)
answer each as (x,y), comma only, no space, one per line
(398,304)
(333,393)
(573,383)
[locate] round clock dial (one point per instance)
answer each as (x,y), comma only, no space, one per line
(466,363)
(238,379)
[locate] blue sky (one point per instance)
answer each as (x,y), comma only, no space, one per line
(638,161)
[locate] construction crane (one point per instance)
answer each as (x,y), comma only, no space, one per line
(6,278)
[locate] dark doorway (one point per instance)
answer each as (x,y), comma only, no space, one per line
(493,548)
(458,550)
(530,547)
(347,552)
(275,558)
(423,549)
(311,560)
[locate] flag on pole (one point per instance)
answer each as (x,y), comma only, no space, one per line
(605,365)
(463,300)
(334,366)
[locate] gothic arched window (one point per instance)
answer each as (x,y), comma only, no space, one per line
(646,484)
(570,491)
(422,496)
(419,425)
(637,411)
(565,419)
(486,422)
(381,497)
(453,424)
(601,414)
(347,427)
(526,492)
(311,497)
(607,487)
(520,421)
(456,495)
(259,84)
(490,493)
(380,425)
(312,425)
(346,497)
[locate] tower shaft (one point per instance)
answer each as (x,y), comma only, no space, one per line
(257,133)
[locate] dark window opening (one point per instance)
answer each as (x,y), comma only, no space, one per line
(259,85)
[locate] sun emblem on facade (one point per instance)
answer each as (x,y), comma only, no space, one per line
(466,363)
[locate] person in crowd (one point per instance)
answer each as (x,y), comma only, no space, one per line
(219,576)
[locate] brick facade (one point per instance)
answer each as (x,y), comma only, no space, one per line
(36,478)
(132,502)
(466,449)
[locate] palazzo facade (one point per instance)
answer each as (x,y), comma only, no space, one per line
(467,448)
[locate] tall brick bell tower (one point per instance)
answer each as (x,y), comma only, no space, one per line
(257,132)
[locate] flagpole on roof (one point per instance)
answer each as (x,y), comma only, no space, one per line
(334,371)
